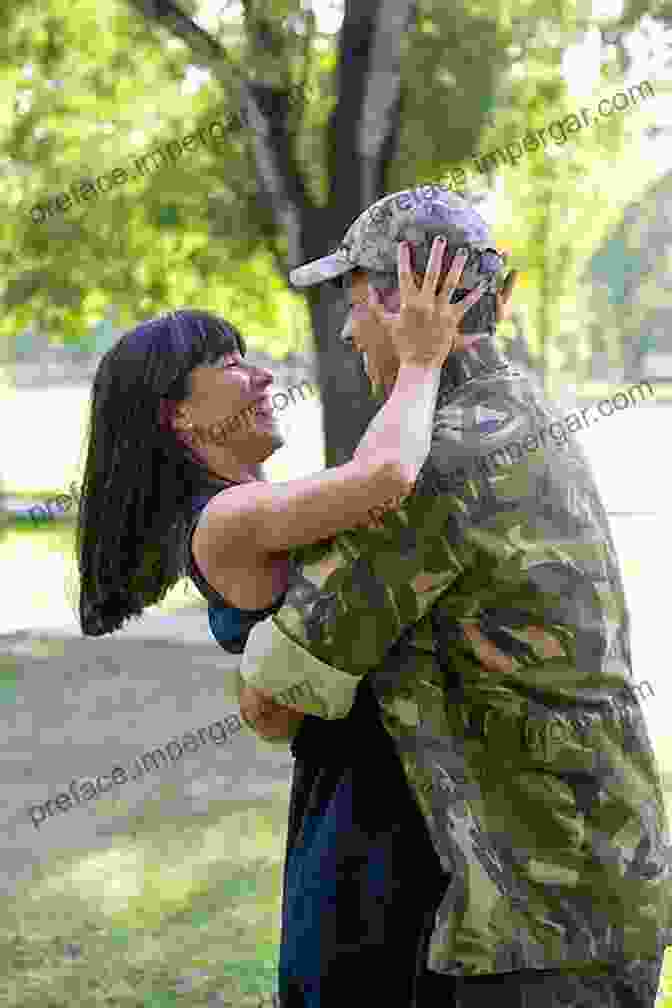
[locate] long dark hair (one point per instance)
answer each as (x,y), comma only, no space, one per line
(140,477)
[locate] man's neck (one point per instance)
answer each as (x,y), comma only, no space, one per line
(481,358)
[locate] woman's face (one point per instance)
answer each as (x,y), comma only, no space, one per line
(231,411)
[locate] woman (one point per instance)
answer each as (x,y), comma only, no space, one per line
(157,502)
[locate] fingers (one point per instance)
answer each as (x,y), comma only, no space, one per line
(408,285)
(377,308)
(374,300)
(430,282)
(433,271)
(406,278)
(452,281)
(261,714)
(462,307)
(256,702)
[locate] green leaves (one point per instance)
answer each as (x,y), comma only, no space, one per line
(168,216)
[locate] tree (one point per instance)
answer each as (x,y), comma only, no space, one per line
(353,166)
(632,272)
(321,130)
(362,138)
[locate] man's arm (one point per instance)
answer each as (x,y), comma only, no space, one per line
(357,595)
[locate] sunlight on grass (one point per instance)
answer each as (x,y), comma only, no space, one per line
(174,912)
(186,908)
(39,561)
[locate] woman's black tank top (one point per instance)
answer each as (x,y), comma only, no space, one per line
(229,625)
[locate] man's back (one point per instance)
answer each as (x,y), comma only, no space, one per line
(490,615)
(529,748)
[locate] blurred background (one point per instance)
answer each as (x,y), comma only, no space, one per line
(168,891)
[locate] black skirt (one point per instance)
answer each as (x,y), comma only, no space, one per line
(362,881)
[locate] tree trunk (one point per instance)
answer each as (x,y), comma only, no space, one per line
(361,143)
(344,387)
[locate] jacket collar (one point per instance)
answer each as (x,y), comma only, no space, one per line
(480,360)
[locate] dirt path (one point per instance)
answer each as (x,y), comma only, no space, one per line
(78,708)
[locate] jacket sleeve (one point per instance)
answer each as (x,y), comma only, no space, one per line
(356,595)
(487,508)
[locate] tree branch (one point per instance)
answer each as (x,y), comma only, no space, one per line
(263,107)
(369,81)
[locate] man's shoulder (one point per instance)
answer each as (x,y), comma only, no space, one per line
(492,413)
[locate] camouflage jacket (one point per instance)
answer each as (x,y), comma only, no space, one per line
(489,613)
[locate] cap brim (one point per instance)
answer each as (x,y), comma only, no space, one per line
(320,270)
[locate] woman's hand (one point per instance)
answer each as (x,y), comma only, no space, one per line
(425,330)
(385,326)
(272,721)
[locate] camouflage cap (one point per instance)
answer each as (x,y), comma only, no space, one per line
(416,215)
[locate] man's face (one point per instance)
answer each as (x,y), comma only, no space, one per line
(363,333)
(380,359)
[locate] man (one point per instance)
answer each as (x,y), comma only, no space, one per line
(487,614)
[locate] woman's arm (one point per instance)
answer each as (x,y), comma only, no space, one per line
(269,517)
(266,518)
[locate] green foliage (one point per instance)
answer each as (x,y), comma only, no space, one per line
(99,91)
(631,270)
(555,210)
(89,87)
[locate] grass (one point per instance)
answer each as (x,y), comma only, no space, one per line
(174,912)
